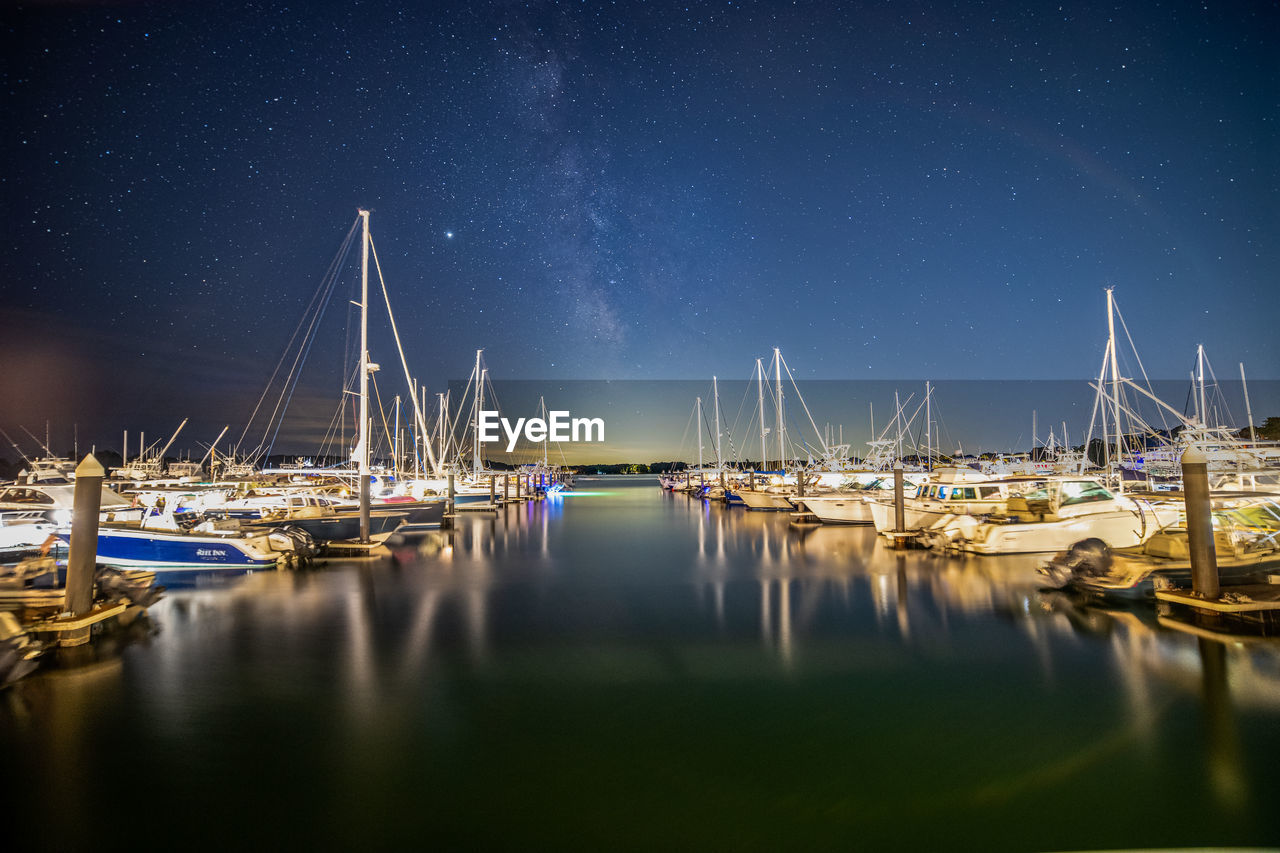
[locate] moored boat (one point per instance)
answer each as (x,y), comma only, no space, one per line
(1246,541)
(1052,516)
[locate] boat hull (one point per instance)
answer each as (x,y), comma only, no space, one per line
(133,548)
(339,526)
(844,509)
(767,501)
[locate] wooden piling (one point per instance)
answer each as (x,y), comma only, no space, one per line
(82,560)
(899,505)
(1204,558)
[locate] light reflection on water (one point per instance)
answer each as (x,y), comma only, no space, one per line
(637,669)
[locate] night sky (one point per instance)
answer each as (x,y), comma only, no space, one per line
(629,191)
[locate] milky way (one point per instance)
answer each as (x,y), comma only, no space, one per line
(636,190)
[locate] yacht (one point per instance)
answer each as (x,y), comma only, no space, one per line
(1051,516)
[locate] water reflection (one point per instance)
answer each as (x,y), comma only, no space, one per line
(636,620)
(805,570)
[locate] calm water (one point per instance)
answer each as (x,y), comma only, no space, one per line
(627,669)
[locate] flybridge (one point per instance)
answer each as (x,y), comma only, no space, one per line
(558,427)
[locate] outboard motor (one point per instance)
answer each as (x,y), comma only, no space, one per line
(1085,559)
(295,544)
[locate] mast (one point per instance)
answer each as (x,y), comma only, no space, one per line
(395,449)
(928,434)
(542,403)
(362,446)
(420,439)
(210,454)
(764,466)
(1195,400)
(1115,383)
(698,418)
(444,420)
(1248,412)
(777,378)
(484,374)
(172,439)
(715,392)
(475,400)
(1204,411)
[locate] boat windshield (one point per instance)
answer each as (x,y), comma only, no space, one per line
(1083,491)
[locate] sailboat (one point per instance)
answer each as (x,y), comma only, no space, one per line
(1126,433)
(777,487)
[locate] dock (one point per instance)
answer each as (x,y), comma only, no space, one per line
(66,622)
(341,549)
(1238,599)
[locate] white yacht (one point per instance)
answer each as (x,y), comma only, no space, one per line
(948,491)
(1053,516)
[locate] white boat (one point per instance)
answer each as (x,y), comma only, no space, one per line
(851,504)
(1246,543)
(1053,517)
(48,470)
(837,507)
(31,512)
(948,491)
(772,498)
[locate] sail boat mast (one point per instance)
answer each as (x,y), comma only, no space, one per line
(542,404)
(715,392)
(764,466)
(1115,382)
(475,443)
(928,425)
(777,379)
(395,448)
(1248,410)
(363,445)
(698,418)
(444,422)
(1204,411)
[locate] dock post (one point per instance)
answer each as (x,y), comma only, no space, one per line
(751,479)
(451,505)
(1204,558)
(899,505)
(800,482)
(82,560)
(493,489)
(506,487)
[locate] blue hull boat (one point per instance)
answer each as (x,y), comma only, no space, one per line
(173,550)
